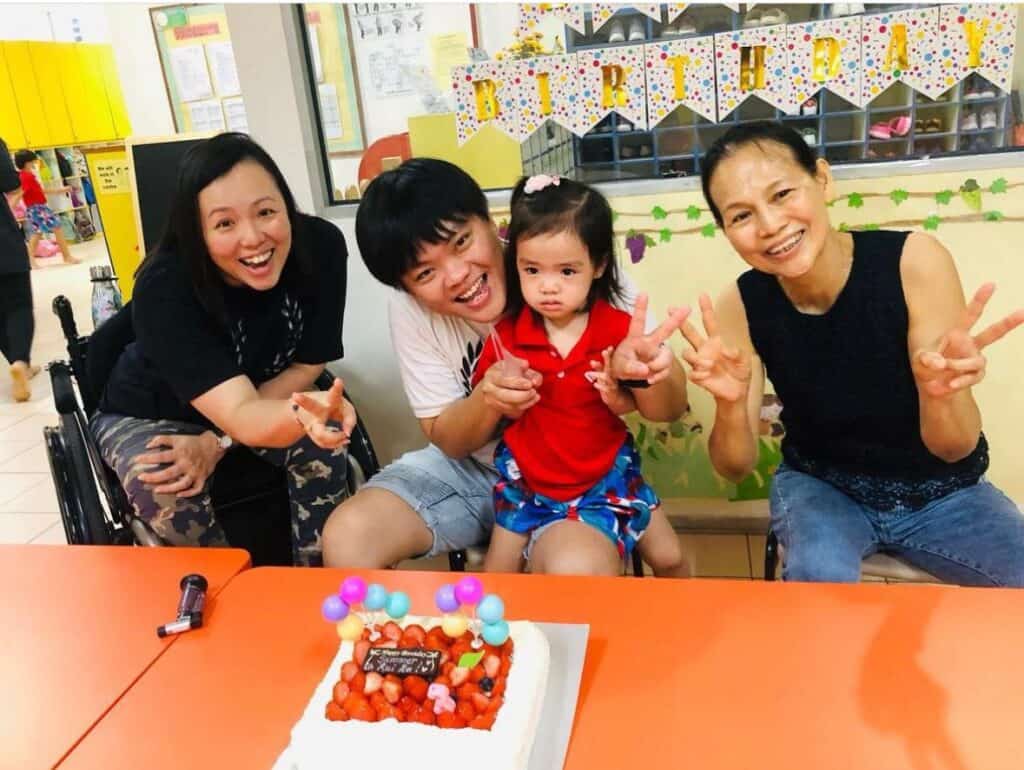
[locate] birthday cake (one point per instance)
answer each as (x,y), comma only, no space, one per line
(447,692)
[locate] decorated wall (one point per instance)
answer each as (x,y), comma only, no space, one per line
(672,249)
(857,57)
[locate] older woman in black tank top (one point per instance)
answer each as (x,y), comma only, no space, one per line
(871,349)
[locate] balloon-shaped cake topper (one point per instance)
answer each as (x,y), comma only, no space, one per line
(491,609)
(469,590)
(351,628)
(445,598)
(454,625)
(397,605)
(353,590)
(496,633)
(334,608)
(376,597)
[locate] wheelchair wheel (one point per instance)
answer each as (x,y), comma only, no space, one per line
(96,529)
(67,499)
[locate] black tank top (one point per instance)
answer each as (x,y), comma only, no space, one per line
(850,405)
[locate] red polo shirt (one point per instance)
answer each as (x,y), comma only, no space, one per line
(567,441)
(33,191)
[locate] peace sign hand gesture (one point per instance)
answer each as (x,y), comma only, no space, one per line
(957,362)
(643,356)
(327,416)
(722,371)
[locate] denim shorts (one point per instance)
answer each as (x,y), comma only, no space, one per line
(455,498)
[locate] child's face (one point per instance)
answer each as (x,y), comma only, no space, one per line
(463,276)
(555,273)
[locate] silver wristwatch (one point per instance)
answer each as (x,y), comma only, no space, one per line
(224,441)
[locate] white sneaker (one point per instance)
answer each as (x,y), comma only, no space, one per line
(636,30)
(615,32)
(988,118)
(752,19)
(775,16)
(840,9)
(969,122)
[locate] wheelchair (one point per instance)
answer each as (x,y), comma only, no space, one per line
(250,496)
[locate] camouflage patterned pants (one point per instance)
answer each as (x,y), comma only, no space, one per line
(316,485)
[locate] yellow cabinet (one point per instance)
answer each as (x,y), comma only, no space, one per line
(86,99)
(47,69)
(27,95)
(112,84)
(10,121)
(101,119)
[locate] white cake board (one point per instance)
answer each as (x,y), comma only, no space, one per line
(568,645)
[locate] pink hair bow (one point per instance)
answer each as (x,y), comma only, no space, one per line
(538,182)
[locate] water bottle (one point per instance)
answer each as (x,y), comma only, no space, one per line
(106,297)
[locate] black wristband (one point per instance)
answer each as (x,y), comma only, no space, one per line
(632,384)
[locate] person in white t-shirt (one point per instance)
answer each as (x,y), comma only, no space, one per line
(424,229)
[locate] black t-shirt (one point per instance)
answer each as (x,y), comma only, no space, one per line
(181,351)
(13,254)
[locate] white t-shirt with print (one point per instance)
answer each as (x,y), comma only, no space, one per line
(436,355)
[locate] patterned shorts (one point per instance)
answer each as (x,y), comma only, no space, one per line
(40,219)
(619,505)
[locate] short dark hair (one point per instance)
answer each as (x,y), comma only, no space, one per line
(571,207)
(23,157)
(183,238)
(753,133)
(409,206)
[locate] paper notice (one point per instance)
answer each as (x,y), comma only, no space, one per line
(190,76)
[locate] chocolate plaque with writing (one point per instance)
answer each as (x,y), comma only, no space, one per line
(408,662)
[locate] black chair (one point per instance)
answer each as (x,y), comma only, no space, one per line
(249,496)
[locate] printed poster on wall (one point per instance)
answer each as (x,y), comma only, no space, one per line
(982,40)
(825,54)
(680,72)
(752,62)
(903,46)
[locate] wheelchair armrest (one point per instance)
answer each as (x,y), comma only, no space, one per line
(64,397)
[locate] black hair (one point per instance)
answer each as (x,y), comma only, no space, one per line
(758,133)
(572,207)
(23,157)
(409,206)
(202,164)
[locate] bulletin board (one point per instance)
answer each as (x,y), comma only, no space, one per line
(340,111)
(199,67)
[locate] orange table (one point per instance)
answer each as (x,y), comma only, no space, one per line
(696,674)
(79,627)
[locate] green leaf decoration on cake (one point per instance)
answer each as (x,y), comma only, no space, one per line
(470,659)
(993,216)
(931,223)
(658,212)
(998,186)
(898,196)
(944,197)
(692,212)
(855,200)
(665,235)
(708,231)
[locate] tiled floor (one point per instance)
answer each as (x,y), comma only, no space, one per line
(28,505)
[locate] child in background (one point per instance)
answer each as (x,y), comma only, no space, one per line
(39,217)
(569,456)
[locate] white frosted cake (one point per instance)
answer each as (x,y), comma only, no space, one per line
(500,736)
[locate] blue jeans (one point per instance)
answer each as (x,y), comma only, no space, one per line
(974,536)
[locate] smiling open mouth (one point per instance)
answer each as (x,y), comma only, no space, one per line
(474,293)
(786,247)
(259,260)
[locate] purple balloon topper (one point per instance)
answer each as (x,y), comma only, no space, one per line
(334,608)
(353,590)
(445,598)
(469,590)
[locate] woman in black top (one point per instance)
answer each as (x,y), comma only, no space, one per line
(239,306)
(16,322)
(867,340)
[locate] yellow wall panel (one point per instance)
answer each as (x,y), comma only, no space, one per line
(115,98)
(27,96)
(71,82)
(47,69)
(101,122)
(10,122)
(110,177)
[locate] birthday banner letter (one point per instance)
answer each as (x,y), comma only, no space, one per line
(825,54)
(680,72)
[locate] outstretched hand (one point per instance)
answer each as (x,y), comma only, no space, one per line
(327,417)
(721,370)
(617,400)
(957,363)
(643,356)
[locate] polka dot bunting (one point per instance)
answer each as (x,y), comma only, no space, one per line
(777,88)
(800,47)
(698,77)
(997,47)
(601,12)
(530,15)
(924,73)
(674,9)
(507,90)
(590,86)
